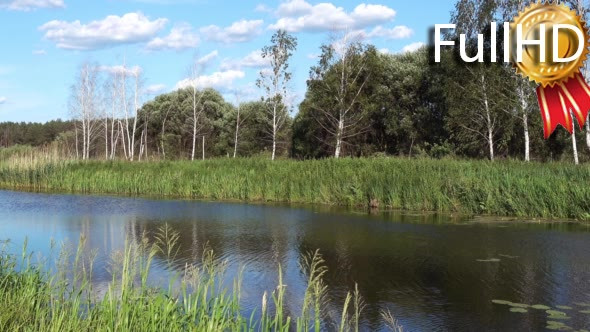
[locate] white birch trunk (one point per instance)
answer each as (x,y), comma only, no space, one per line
(194,122)
(339,138)
(527,140)
(77,142)
(489,123)
(574,144)
(274,133)
(106,138)
(237,131)
(525,123)
(83,139)
(135,110)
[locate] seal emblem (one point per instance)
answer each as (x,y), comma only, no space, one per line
(553,61)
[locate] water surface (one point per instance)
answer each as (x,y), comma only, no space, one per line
(431,272)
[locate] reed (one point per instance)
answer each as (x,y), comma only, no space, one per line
(37,298)
(508,188)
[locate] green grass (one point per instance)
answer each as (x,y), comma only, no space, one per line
(34,297)
(508,188)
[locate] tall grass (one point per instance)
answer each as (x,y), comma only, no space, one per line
(34,298)
(512,188)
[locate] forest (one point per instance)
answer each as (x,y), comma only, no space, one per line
(359,102)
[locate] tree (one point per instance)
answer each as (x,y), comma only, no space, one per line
(342,74)
(274,82)
(525,93)
(240,119)
(478,92)
(137,81)
(84,104)
(195,70)
(128,125)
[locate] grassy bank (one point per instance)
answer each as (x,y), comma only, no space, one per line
(552,190)
(35,298)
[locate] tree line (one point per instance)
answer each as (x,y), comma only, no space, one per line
(359,102)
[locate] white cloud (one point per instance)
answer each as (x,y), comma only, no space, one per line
(28,5)
(155,89)
(113,30)
(238,32)
(368,15)
(398,32)
(222,80)
(408,48)
(208,58)
(181,37)
(413,47)
(39,52)
(252,60)
(294,8)
(118,69)
(3,100)
(299,15)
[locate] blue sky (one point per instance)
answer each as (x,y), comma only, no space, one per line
(44,42)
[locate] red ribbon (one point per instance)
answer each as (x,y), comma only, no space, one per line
(557,101)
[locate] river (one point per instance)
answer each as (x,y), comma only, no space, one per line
(432,272)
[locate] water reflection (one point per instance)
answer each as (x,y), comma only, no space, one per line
(432,272)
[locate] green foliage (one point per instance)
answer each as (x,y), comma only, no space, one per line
(33,134)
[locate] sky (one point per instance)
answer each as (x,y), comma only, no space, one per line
(43,42)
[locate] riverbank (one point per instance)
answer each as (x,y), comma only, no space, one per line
(504,188)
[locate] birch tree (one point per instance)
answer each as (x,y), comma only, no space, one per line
(113,85)
(84,104)
(342,75)
(126,79)
(136,74)
(240,119)
(275,81)
(479,93)
(524,91)
(195,71)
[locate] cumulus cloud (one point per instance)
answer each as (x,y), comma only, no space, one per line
(408,48)
(299,15)
(155,89)
(28,5)
(238,32)
(111,31)
(208,58)
(367,15)
(398,32)
(221,80)
(252,60)
(39,52)
(413,47)
(119,69)
(294,8)
(3,100)
(181,37)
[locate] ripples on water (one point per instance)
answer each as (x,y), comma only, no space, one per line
(431,272)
